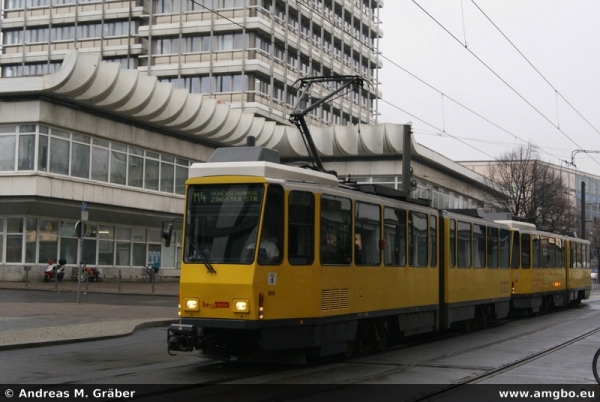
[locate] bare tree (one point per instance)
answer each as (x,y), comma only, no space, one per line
(529,188)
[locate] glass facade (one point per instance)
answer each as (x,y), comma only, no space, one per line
(31,147)
(37,240)
(52,151)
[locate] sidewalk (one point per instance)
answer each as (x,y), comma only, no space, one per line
(35,323)
(160,288)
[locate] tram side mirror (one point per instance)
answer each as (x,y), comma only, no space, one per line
(167,234)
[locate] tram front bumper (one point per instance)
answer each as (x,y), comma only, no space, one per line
(183,337)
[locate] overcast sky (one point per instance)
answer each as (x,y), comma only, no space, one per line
(558,38)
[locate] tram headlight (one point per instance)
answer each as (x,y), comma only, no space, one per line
(192,305)
(241,305)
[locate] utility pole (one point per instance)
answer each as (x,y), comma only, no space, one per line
(583,210)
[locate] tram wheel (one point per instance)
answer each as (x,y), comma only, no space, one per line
(382,334)
(481,318)
(468,325)
(350,348)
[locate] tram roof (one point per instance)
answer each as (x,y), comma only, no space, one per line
(518,225)
(262,169)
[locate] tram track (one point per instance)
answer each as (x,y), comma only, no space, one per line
(228,380)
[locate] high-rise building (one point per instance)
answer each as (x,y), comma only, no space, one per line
(246,53)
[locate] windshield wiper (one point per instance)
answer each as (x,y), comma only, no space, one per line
(201,255)
(205,258)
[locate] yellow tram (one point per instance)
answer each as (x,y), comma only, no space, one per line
(579,270)
(548,269)
(278,258)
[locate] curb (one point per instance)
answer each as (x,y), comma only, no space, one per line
(104,292)
(148,324)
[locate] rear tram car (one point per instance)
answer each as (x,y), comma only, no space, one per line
(283,259)
(548,270)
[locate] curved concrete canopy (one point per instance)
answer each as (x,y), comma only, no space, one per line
(84,79)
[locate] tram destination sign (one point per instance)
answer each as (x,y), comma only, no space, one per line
(225,195)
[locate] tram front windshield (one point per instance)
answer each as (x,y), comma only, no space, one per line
(222,223)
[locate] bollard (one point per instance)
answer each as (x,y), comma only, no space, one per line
(56,279)
(119,280)
(27,268)
(87,282)
(153,279)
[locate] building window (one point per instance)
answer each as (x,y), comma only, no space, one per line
(167,172)
(80,157)
(68,242)
(14,240)
(152,171)
(8,142)
(123,246)
(100,160)
(106,244)
(59,152)
(30,239)
(118,164)
(30,69)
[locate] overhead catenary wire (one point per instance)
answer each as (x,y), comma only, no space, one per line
(437,128)
(536,70)
(499,77)
(459,104)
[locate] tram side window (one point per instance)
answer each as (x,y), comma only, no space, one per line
(586,251)
(271,239)
(536,251)
(588,263)
(492,247)
(367,234)
(504,248)
(417,237)
(516,250)
(452,243)
(395,237)
(433,240)
(301,229)
(560,253)
(544,252)
(464,245)
(579,260)
(479,246)
(336,230)
(552,252)
(525,250)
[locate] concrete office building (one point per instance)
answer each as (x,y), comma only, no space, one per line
(246,53)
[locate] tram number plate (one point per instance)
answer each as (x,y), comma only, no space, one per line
(272,278)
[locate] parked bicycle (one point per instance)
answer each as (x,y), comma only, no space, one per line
(150,272)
